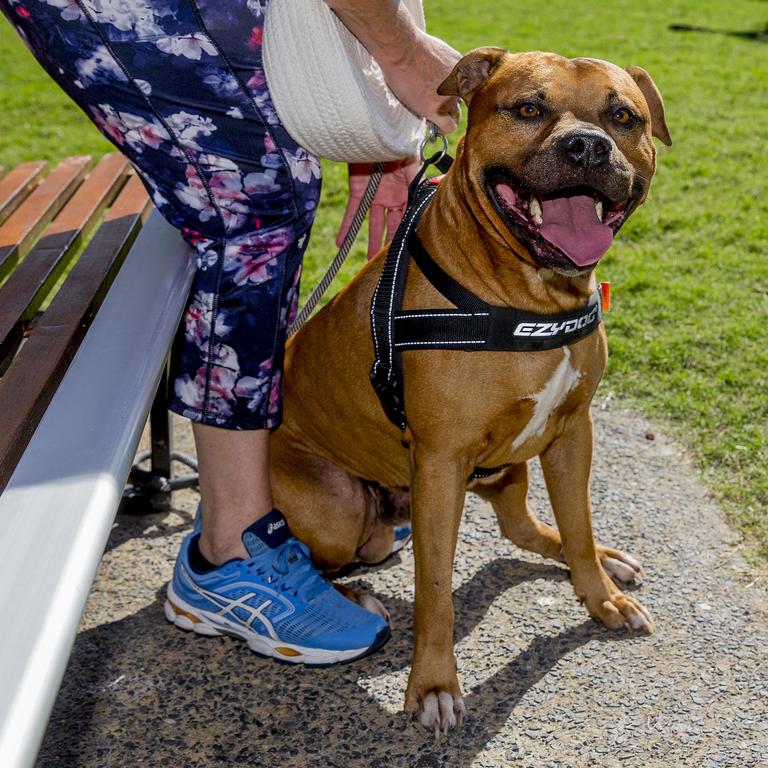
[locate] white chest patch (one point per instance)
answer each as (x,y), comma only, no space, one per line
(562,381)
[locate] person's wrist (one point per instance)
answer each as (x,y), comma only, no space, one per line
(398,54)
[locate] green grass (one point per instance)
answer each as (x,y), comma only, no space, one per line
(687,332)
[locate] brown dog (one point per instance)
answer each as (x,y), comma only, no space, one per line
(558,152)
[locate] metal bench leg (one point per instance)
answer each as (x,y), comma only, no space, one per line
(149,490)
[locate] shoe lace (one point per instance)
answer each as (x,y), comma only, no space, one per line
(292,562)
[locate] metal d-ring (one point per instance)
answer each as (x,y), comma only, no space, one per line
(433,135)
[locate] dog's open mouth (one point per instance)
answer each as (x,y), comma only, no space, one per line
(577,223)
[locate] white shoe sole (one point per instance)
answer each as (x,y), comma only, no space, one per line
(191,619)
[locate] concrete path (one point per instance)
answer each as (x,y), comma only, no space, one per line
(545,686)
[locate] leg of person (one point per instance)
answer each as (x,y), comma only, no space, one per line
(234,487)
(179,88)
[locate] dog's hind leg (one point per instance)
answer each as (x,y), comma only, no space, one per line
(508,495)
(391,507)
(324,505)
(340,517)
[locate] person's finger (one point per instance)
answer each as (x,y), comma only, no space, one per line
(376,224)
(448,115)
(346,222)
(455,112)
(357,179)
(446,123)
(394,217)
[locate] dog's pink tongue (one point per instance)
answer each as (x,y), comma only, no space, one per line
(571,223)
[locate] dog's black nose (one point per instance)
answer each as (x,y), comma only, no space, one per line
(586,148)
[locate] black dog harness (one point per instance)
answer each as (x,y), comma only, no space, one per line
(473,326)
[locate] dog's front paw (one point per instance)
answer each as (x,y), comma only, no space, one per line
(438,709)
(619,565)
(618,611)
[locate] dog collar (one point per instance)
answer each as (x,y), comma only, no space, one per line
(472,326)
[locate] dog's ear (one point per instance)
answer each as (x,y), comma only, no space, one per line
(654,101)
(471,72)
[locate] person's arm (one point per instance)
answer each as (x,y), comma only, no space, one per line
(413,62)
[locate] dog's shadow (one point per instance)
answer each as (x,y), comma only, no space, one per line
(139,692)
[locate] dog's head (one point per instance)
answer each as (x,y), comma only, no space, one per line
(560,149)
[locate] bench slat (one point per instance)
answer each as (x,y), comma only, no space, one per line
(17,184)
(92,196)
(27,288)
(133,198)
(31,380)
(31,217)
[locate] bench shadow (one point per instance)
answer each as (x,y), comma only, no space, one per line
(153,525)
(755,35)
(139,692)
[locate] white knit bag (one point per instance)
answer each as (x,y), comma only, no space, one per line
(327,89)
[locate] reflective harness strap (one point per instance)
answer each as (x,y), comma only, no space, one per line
(473,326)
(386,373)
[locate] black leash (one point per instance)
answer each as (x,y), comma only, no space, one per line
(441,159)
(473,326)
(346,247)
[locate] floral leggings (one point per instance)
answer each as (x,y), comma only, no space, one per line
(178,86)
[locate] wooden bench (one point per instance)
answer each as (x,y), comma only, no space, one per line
(84,340)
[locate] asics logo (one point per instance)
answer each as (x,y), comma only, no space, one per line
(272,527)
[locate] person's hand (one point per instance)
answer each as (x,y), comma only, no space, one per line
(388,204)
(415,74)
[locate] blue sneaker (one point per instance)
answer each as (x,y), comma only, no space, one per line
(276,600)
(403,534)
(197,524)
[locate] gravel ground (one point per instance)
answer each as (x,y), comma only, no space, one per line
(544,685)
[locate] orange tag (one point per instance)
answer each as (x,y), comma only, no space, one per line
(605,296)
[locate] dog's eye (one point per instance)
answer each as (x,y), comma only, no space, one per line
(528,110)
(622,116)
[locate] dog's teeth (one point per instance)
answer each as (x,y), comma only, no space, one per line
(599,209)
(536,211)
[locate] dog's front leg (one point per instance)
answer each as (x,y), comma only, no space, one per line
(567,463)
(438,484)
